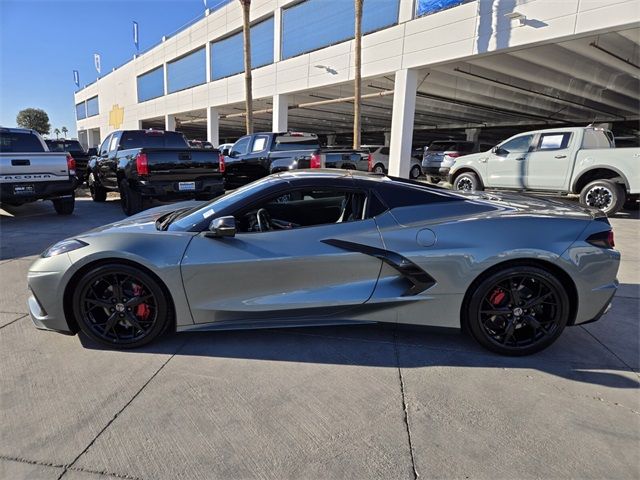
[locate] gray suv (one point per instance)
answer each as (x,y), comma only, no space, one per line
(439,156)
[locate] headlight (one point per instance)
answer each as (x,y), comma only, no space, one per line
(64,246)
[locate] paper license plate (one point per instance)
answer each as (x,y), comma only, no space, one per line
(186,186)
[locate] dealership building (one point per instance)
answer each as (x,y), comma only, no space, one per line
(470,69)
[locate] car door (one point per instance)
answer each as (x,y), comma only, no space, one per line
(101,157)
(283,274)
(506,163)
(255,159)
(234,171)
(109,162)
(549,161)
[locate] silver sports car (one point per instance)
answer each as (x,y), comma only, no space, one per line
(334,247)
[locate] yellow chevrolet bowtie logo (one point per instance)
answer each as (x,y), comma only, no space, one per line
(116,116)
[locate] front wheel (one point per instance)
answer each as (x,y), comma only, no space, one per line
(467,182)
(604,195)
(65,206)
(517,311)
(98,192)
(415,172)
(120,306)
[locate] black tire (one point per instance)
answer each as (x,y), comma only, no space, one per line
(604,195)
(66,205)
(121,322)
(132,202)
(467,182)
(379,168)
(98,192)
(415,172)
(535,310)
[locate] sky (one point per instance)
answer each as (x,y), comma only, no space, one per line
(43,41)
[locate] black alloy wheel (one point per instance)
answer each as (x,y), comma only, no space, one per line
(120,306)
(518,311)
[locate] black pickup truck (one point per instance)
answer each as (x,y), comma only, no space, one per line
(76,150)
(153,164)
(261,154)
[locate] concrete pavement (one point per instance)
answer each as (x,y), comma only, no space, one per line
(357,402)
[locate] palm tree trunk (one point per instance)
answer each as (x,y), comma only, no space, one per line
(357,100)
(246,34)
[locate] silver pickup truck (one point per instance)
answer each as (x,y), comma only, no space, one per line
(573,160)
(30,172)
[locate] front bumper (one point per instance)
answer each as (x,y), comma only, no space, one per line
(41,191)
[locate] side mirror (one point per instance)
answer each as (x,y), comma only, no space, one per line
(222,227)
(225,152)
(500,151)
(92,152)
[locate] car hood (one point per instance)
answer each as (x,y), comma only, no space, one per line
(144,221)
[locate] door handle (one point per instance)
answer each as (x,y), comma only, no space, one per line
(561,156)
(521,158)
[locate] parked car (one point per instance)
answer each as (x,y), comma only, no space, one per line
(331,247)
(148,164)
(30,172)
(200,144)
(258,155)
(379,161)
(572,160)
(440,155)
(225,148)
(79,154)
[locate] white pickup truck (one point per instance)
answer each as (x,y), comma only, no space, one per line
(573,160)
(30,172)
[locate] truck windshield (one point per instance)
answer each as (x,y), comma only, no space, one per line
(19,142)
(152,139)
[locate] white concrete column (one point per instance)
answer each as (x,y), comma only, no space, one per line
(407,10)
(93,137)
(472,134)
(280,113)
(387,139)
(169,122)
(404,108)
(277,34)
(213,126)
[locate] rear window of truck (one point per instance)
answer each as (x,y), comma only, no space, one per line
(19,142)
(295,142)
(152,139)
(65,146)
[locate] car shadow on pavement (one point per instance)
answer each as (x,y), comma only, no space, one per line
(575,356)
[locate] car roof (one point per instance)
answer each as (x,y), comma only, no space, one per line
(17,130)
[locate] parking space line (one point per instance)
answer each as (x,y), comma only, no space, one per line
(631,369)
(14,321)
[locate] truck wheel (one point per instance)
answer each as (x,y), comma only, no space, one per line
(65,206)
(98,193)
(467,182)
(415,172)
(604,195)
(131,201)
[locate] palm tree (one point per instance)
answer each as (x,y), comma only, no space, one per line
(65,130)
(246,34)
(57,132)
(357,99)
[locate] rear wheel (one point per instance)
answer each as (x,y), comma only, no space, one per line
(120,306)
(98,193)
(415,172)
(467,182)
(518,311)
(604,195)
(132,202)
(378,168)
(65,206)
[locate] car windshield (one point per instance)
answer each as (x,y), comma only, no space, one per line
(192,217)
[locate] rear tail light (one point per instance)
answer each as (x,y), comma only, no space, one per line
(71,164)
(221,163)
(602,239)
(370,163)
(453,154)
(315,161)
(142,164)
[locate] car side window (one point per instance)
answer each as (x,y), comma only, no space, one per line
(554,141)
(259,143)
(384,151)
(104,148)
(304,207)
(241,146)
(113,144)
(517,145)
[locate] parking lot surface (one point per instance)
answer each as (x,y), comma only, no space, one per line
(356,402)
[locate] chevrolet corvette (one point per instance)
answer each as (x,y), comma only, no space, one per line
(329,247)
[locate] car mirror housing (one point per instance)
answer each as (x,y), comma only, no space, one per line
(222,227)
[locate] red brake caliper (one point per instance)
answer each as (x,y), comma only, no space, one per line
(497,296)
(142,311)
